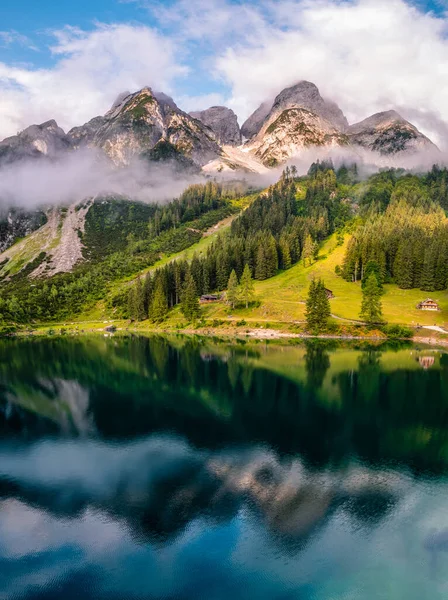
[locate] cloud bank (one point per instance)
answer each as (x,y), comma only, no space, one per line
(90,70)
(83,174)
(367,55)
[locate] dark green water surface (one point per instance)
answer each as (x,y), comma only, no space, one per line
(185,468)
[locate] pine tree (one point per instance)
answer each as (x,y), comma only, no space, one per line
(147,294)
(427,281)
(246,285)
(261,267)
(440,277)
(271,257)
(222,273)
(323,304)
(159,305)
(403,266)
(132,303)
(372,267)
(308,250)
(190,303)
(232,289)
(285,253)
(371,309)
(317,306)
(140,313)
(205,277)
(196,272)
(177,281)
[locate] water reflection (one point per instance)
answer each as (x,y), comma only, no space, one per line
(177,468)
(156,489)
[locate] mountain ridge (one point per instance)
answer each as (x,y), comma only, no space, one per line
(150,125)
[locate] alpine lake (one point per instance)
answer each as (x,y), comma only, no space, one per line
(185,468)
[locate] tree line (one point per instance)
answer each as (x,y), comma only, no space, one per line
(276,231)
(24,300)
(408,240)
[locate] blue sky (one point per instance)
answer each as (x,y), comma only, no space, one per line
(37,19)
(68,60)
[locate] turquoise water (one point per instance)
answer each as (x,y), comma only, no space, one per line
(185,468)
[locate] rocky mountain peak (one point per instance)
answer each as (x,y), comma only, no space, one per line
(165,99)
(223,122)
(380,119)
(254,123)
(306,95)
(303,94)
(138,122)
(388,133)
(36,141)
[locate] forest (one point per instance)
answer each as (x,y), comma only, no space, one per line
(396,222)
(404,231)
(120,238)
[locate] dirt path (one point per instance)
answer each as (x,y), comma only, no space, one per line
(434,328)
(221,224)
(348,320)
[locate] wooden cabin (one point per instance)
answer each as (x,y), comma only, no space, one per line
(428,304)
(206,298)
(329,293)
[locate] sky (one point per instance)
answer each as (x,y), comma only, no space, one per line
(70,60)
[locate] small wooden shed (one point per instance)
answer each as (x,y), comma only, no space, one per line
(210,298)
(428,304)
(329,293)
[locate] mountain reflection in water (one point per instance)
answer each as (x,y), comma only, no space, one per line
(181,468)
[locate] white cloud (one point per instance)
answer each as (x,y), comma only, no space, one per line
(91,69)
(215,21)
(85,173)
(8,38)
(368,55)
(202,102)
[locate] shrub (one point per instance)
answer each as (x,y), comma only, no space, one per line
(397,331)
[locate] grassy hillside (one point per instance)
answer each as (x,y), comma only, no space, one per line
(281,299)
(319,218)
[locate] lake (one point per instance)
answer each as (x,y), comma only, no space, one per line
(191,468)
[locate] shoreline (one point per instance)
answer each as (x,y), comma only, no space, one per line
(236,333)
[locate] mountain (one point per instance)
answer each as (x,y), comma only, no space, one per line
(254,123)
(151,126)
(388,133)
(300,118)
(223,122)
(140,121)
(36,141)
(302,95)
(288,132)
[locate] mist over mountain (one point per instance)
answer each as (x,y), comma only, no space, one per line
(145,147)
(150,125)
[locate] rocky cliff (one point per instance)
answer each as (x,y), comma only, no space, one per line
(300,118)
(150,125)
(223,122)
(36,141)
(388,133)
(140,121)
(288,132)
(302,95)
(16,223)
